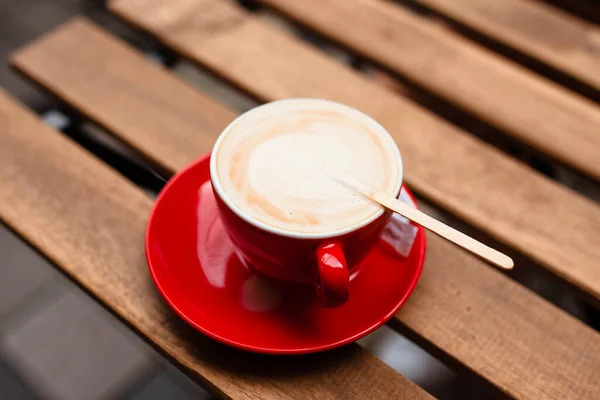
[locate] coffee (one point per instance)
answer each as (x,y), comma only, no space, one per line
(271,162)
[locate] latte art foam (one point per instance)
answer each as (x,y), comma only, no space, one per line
(271,164)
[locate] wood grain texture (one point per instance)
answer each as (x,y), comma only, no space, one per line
(558,39)
(91,222)
(532,109)
(556,227)
(474,314)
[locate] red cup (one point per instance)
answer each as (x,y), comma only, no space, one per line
(326,261)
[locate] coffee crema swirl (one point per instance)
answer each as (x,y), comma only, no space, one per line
(271,165)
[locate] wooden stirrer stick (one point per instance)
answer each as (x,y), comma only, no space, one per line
(390,202)
(445,231)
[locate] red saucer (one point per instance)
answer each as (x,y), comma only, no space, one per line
(193,264)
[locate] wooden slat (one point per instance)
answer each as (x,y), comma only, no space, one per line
(472,313)
(564,42)
(90,221)
(534,110)
(556,227)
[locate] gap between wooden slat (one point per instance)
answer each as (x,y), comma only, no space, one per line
(462,309)
(587,9)
(532,276)
(540,34)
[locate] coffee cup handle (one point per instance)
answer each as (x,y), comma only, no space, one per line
(332,279)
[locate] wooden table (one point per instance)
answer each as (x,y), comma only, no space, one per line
(90,220)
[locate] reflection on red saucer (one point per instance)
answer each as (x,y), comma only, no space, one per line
(194,266)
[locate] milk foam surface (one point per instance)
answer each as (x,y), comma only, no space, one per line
(272,162)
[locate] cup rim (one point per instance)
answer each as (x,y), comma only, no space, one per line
(214,178)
